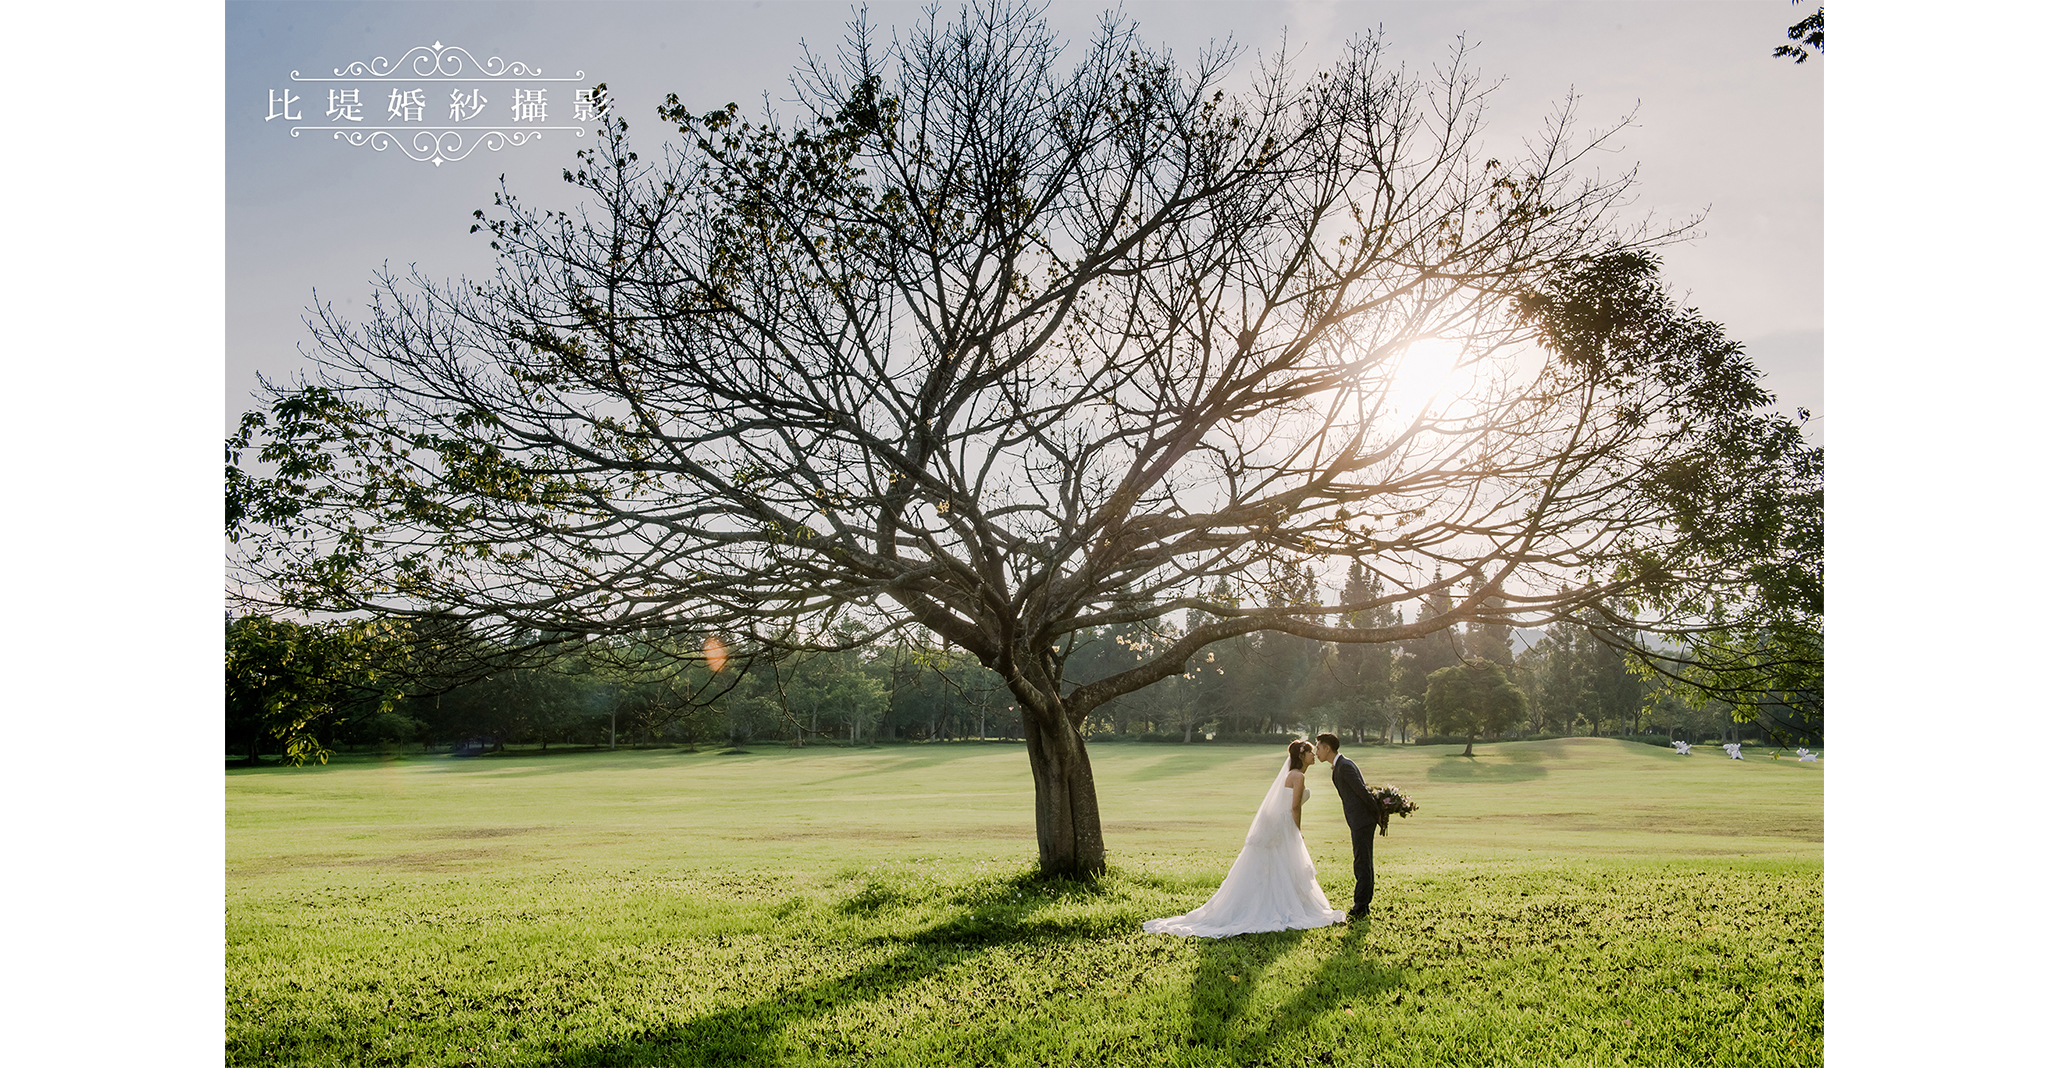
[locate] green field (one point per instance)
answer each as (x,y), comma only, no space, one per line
(1575,901)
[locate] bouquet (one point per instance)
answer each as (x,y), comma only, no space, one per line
(1392,801)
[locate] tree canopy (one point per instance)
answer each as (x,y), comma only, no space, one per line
(285,679)
(1474,698)
(1811,30)
(1002,343)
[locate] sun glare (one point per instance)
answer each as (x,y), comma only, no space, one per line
(1428,377)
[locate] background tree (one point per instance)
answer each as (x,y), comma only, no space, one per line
(1617,691)
(389,730)
(749,712)
(1751,491)
(1580,676)
(1100,652)
(1771,677)
(1004,347)
(287,681)
(671,691)
(1364,674)
(935,692)
(1224,677)
(1664,711)
(1423,657)
(1288,674)
(1552,665)
(511,704)
(1165,704)
(1474,698)
(830,692)
(545,705)
(1488,640)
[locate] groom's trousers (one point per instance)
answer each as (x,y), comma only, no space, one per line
(1361,865)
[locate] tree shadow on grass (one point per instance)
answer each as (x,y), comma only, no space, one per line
(1488,766)
(751,1034)
(899,761)
(1347,979)
(1227,980)
(1166,767)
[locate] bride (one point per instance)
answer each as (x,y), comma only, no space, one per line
(1272,885)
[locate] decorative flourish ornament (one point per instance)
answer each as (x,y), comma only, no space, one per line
(438,146)
(444,61)
(443,143)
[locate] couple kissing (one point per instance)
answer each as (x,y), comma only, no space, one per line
(1272,884)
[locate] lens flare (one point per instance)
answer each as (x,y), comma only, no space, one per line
(714,654)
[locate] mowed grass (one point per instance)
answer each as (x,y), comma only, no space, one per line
(1576,901)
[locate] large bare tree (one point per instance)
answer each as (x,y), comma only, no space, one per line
(997,343)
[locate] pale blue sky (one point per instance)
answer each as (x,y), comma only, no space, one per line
(1720,125)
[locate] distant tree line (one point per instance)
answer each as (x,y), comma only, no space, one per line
(1489,683)
(303,690)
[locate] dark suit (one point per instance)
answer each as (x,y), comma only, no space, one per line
(1363,812)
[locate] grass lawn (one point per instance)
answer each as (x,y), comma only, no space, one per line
(1574,901)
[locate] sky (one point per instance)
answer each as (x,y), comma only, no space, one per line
(1720,129)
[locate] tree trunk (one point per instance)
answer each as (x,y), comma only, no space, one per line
(1069,821)
(1468,745)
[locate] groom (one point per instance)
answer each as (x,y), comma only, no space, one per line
(1361,810)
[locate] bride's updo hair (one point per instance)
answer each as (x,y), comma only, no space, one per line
(1299,753)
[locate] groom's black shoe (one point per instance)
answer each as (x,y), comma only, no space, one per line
(1357,915)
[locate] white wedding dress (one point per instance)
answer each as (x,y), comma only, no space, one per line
(1272,884)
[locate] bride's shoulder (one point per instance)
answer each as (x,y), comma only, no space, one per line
(1295,777)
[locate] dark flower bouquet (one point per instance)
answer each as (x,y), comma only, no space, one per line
(1392,801)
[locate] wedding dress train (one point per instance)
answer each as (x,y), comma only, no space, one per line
(1271,886)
